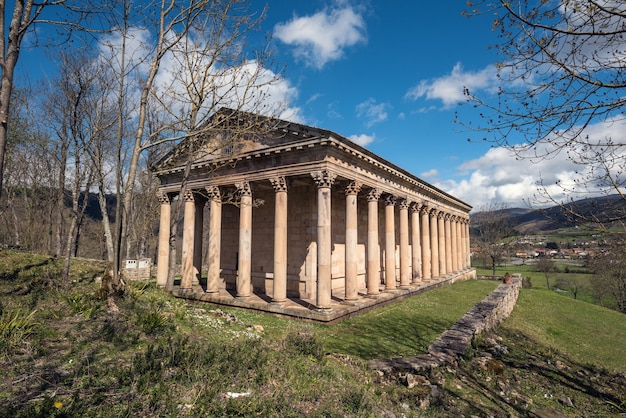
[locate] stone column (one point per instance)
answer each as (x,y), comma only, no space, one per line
(215,239)
(459,242)
(189,226)
(448,238)
(280,239)
(352,258)
(324,181)
(244,283)
(468,251)
(426,259)
(416,248)
(373,250)
(390,243)
(164,240)
(405,257)
(434,244)
(199,201)
(454,241)
(441,239)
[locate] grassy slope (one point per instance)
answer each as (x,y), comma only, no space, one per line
(159,356)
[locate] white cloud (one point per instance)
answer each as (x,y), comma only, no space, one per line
(430,174)
(363,140)
(499,177)
(323,37)
(450,88)
(372,111)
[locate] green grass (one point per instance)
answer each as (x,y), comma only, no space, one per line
(155,355)
(585,332)
(408,327)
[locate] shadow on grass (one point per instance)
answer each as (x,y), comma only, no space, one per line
(533,377)
(13,275)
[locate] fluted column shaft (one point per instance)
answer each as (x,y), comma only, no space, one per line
(164,240)
(373,250)
(215,239)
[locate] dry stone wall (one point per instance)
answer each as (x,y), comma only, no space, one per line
(453,343)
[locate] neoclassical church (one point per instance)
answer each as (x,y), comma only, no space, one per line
(300,221)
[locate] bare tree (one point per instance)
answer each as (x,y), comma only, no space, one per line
(197,63)
(547,266)
(492,229)
(609,265)
(561,84)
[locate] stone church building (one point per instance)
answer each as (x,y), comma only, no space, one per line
(303,222)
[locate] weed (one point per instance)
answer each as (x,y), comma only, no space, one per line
(15,327)
(306,343)
(153,321)
(84,304)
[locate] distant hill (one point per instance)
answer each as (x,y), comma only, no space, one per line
(537,221)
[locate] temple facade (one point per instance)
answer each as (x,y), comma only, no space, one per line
(304,222)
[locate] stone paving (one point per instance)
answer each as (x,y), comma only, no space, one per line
(306,309)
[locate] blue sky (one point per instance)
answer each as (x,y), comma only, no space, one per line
(390,75)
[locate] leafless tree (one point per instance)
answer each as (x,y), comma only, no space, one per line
(547,266)
(25,15)
(491,226)
(609,265)
(561,84)
(196,63)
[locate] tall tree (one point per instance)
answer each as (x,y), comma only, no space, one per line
(562,79)
(197,62)
(491,227)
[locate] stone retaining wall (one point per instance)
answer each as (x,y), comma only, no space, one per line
(453,343)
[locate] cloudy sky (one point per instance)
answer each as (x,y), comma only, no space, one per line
(390,76)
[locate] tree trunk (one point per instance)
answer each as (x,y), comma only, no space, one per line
(106,225)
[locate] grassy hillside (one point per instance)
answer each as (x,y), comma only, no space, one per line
(65,351)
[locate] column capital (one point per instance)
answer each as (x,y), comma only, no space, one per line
(164,198)
(390,200)
(244,188)
(188,196)
(424,208)
(415,207)
(279,183)
(404,204)
(373,195)
(214,193)
(323,178)
(353,188)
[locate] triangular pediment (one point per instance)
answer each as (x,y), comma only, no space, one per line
(229,133)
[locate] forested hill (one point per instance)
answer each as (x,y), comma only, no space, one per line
(536,221)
